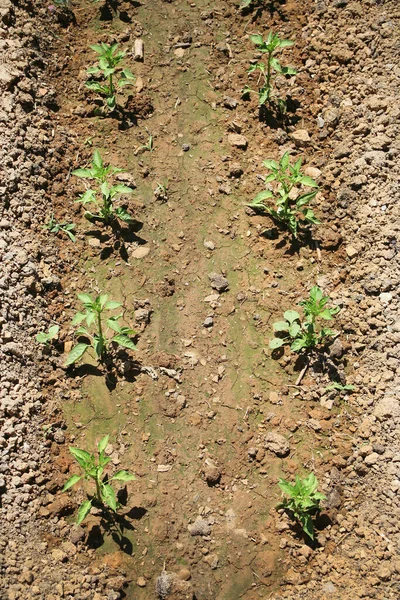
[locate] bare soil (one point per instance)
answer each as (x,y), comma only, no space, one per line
(190,411)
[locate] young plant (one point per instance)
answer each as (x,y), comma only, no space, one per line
(302,501)
(105,196)
(93,469)
(110,68)
(339,387)
(100,340)
(307,334)
(289,197)
(161,191)
(55,227)
(45,338)
(267,70)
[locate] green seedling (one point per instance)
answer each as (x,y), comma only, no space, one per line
(103,198)
(267,70)
(307,334)
(149,146)
(289,196)
(55,227)
(93,469)
(46,338)
(340,387)
(110,68)
(161,191)
(105,335)
(302,501)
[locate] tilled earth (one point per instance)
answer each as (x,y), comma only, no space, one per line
(192,415)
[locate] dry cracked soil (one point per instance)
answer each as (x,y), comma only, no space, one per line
(204,414)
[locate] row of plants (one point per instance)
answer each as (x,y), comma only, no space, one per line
(291,192)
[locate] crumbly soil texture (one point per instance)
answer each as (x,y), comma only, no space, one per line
(204,415)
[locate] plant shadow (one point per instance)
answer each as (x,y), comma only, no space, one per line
(320,520)
(272,116)
(115,525)
(117,240)
(110,10)
(258,7)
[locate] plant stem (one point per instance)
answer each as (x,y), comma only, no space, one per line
(269,74)
(98,492)
(111,85)
(101,338)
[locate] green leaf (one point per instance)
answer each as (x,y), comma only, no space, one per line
(85,298)
(270,177)
(76,353)
(124,82)
(97,160)
(111,102)
(103,443)
(305,180)
(289,71)
(263,95)
(286,487)
(284,162)
(280,326)
(127,73)
(42,338)
(71,481)
(256,39)
(258,200)
(271,164)
(307,525)
(99,347)
(291,316)
(275,64)
(112,305)
(83,173)
(108,496)
(122,189)
(83,511)
(294,329)
(123,476)
(53,331)
(114,325)
(125,341)
(124,215)
(83,457)
(97,48)
(276,343)
(78,318)
(96,87)
(305,199)
(326,314)
(87,197)
(298,345)
(285,43)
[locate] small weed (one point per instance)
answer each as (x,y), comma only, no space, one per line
(303,501)
(161,191)
(55,227)
(46,338)
(113,73)
(98,172)
(93,469)
(267,71)
(150,144)
(290,200)
(340,387)
(307,334)
(100,340)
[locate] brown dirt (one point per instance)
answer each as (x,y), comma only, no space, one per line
(193,433)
